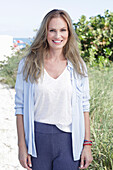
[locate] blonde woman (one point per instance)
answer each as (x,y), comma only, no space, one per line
(52,100)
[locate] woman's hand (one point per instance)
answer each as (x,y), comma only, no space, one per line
(86,157)
(24,158)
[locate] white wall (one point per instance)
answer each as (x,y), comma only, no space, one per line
(6,42)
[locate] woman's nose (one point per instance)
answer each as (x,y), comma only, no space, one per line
(57,34)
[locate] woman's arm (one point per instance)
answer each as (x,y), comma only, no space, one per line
(24,158)
(86,156)
(20,130)
(87,125)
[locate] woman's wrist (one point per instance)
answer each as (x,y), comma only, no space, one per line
(87,143)
(87,146)
(21,144)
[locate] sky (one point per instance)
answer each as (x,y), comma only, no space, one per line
(20,18)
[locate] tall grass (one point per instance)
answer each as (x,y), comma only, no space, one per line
(101,115)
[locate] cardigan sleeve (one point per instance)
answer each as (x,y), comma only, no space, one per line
(19,89)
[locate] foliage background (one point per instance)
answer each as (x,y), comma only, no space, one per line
(96,38)
(96,48)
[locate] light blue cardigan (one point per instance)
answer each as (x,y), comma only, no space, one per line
(24,104)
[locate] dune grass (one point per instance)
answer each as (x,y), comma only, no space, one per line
(101,117)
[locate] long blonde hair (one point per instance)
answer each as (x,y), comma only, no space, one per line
(34,60)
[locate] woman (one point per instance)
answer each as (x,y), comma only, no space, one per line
(52,100)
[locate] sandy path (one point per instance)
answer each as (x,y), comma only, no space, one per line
(8,134)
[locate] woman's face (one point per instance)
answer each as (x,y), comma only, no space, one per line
(57,33)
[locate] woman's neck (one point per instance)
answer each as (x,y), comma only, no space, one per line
(56,55)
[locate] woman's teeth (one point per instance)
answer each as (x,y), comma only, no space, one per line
(57,41)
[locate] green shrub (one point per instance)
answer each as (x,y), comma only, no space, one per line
(8,68)
(96,38)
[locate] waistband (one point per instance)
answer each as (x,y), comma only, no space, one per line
(47,128)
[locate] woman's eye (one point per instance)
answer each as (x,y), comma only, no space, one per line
(52,30)
(63,30)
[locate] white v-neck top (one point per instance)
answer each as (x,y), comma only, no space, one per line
(53,100)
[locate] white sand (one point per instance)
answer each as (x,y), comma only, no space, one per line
(8,133)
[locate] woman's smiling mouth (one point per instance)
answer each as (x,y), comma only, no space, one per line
(57,42)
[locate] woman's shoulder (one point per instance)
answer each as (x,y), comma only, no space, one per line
(21,63)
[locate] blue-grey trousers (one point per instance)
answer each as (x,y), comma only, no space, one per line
(54,149)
